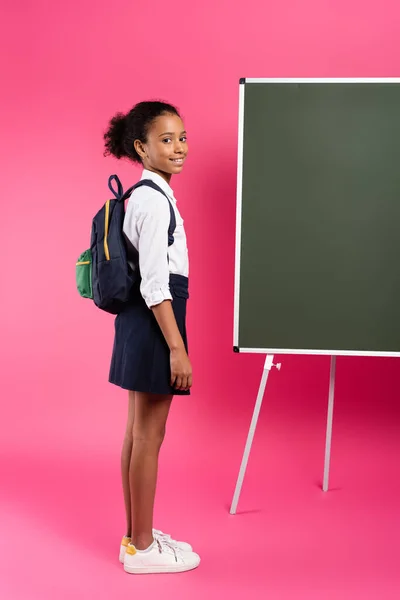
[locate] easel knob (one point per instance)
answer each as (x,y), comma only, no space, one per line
(269,364)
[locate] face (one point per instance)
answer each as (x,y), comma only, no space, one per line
(166,148)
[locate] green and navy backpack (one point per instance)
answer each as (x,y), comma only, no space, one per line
(103,273)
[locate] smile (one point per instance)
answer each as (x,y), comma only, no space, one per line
(178,161)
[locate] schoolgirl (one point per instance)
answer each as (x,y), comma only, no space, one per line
(150,356)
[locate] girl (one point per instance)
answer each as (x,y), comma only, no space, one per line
(150,348)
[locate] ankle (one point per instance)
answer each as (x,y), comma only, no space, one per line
(142,541)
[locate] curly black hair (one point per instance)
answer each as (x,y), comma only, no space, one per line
(123,129)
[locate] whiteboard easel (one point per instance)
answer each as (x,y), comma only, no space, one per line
(328,442)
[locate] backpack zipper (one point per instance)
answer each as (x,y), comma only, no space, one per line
(106,251)
(83,262)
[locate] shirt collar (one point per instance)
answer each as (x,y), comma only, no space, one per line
(159,181)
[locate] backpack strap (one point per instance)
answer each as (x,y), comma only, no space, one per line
(150,183)
(120,190)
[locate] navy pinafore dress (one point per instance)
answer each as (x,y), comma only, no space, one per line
(141,357)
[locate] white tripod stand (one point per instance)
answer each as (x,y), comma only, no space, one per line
(267,368)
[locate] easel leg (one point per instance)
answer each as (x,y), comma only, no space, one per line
(329,424)
(253,425)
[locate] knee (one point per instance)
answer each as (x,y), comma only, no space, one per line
(128,439)
(149,437)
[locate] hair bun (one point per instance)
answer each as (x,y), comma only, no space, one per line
(115,135)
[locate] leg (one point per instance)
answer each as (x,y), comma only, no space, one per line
(151,413)
(328,441)
(267,367)
(125,462)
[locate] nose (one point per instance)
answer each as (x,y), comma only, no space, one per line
(178,148)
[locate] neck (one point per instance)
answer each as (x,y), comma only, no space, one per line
(165,176)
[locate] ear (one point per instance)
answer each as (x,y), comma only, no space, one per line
(139,147)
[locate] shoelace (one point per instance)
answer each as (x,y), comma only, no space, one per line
(167,538)
(167,547)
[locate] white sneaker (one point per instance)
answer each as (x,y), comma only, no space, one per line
(160,557)
(184,546)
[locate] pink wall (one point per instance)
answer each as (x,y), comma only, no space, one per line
(66,70)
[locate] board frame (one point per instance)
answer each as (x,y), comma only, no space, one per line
(238,238)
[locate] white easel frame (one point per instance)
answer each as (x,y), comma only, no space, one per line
(270,352)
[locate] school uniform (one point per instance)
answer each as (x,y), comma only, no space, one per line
(141,357)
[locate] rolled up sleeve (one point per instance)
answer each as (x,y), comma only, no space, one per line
(153,251)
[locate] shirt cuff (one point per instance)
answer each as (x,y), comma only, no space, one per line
(157,296)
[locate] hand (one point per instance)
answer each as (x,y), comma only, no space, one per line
(181,369)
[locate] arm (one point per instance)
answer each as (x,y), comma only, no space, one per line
(153,265)
(181,369)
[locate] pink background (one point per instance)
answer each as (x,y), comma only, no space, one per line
(66,69)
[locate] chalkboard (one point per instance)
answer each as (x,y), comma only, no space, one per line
(317,268)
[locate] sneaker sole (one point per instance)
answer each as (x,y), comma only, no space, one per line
(147,570)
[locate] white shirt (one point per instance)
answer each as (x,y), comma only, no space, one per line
(146,224)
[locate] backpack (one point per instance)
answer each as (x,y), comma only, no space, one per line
(103,273)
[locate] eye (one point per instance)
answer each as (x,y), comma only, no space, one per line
(166,140)
(184,139)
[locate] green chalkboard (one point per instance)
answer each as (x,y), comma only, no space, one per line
(317,265)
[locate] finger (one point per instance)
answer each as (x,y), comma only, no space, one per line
(173,379)
(190,381)
(178,382)
(184,383)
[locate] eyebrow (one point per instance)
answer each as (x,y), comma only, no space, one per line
(170,133)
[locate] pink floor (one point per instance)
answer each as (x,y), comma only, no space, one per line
(61,507)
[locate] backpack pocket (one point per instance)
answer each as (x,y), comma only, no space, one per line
(83,275)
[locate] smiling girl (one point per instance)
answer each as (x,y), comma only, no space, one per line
(150,348)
